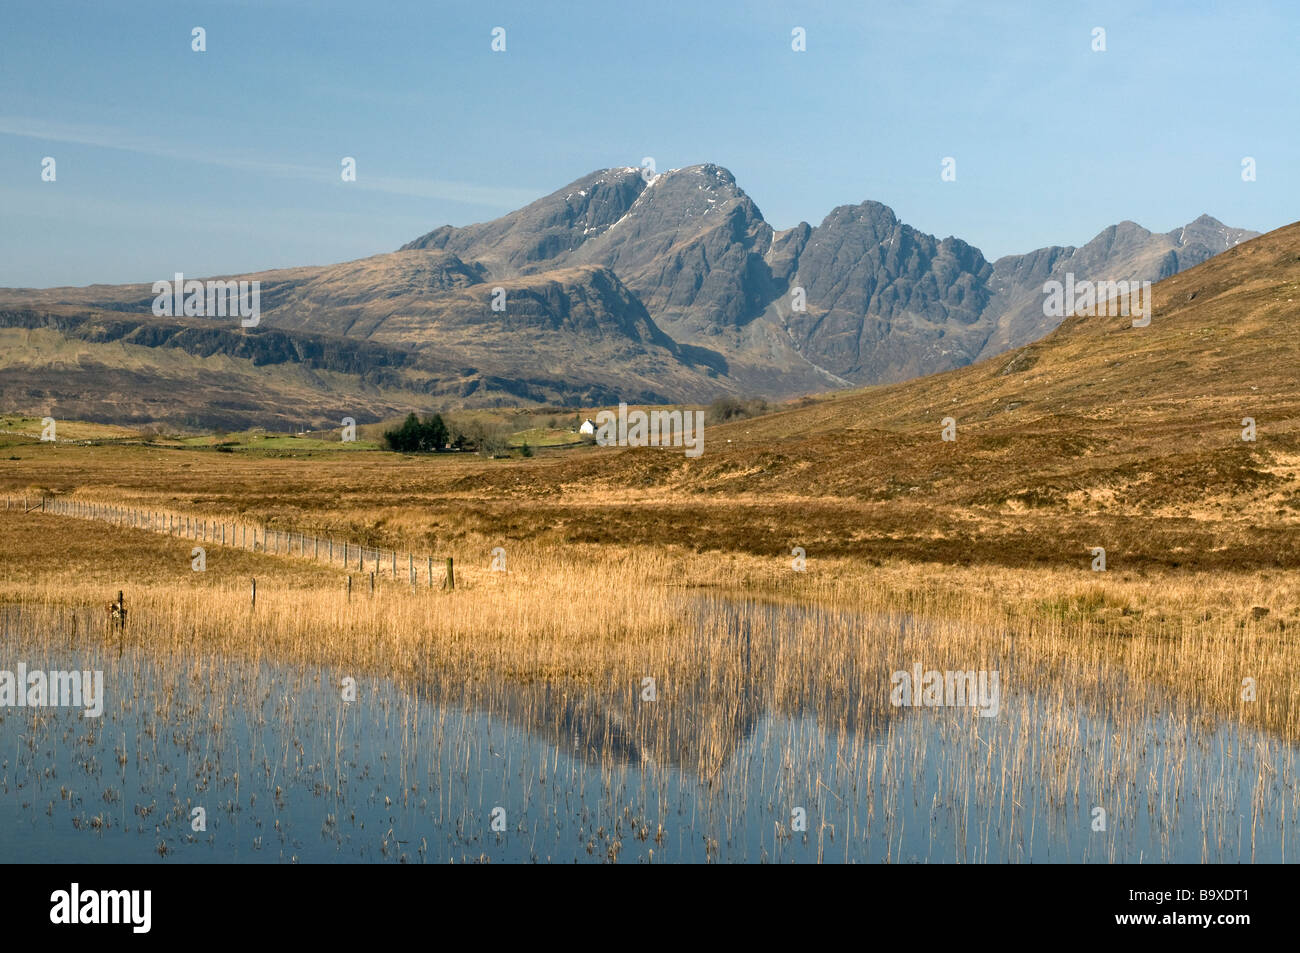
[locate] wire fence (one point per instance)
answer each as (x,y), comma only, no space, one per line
(241,534)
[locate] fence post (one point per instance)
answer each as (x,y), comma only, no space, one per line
(410,568)
(450,582)
(372,583)
(349,588)
(255,592)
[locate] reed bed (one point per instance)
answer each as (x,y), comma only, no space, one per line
(771,691)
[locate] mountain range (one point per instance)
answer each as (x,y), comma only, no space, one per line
(619,286)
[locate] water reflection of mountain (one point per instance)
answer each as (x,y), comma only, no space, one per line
(696,724)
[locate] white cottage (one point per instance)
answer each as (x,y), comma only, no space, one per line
(587,427)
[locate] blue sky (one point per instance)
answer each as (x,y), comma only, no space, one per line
(228,160)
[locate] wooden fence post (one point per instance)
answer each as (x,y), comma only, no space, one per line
(117,614)
(372,583)
(254,592)
(349,587)
(450,581)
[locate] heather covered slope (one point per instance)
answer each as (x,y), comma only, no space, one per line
(1102,434)
(367,339)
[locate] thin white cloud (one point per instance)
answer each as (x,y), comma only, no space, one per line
(108,138)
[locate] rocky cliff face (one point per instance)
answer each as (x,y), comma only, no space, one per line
(881,301)
(884,301)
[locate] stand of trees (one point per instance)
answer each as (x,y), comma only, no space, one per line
(418,436)
(433,434)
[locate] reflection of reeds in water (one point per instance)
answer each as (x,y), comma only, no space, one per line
(760,708)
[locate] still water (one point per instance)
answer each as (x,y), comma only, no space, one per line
(428,770)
